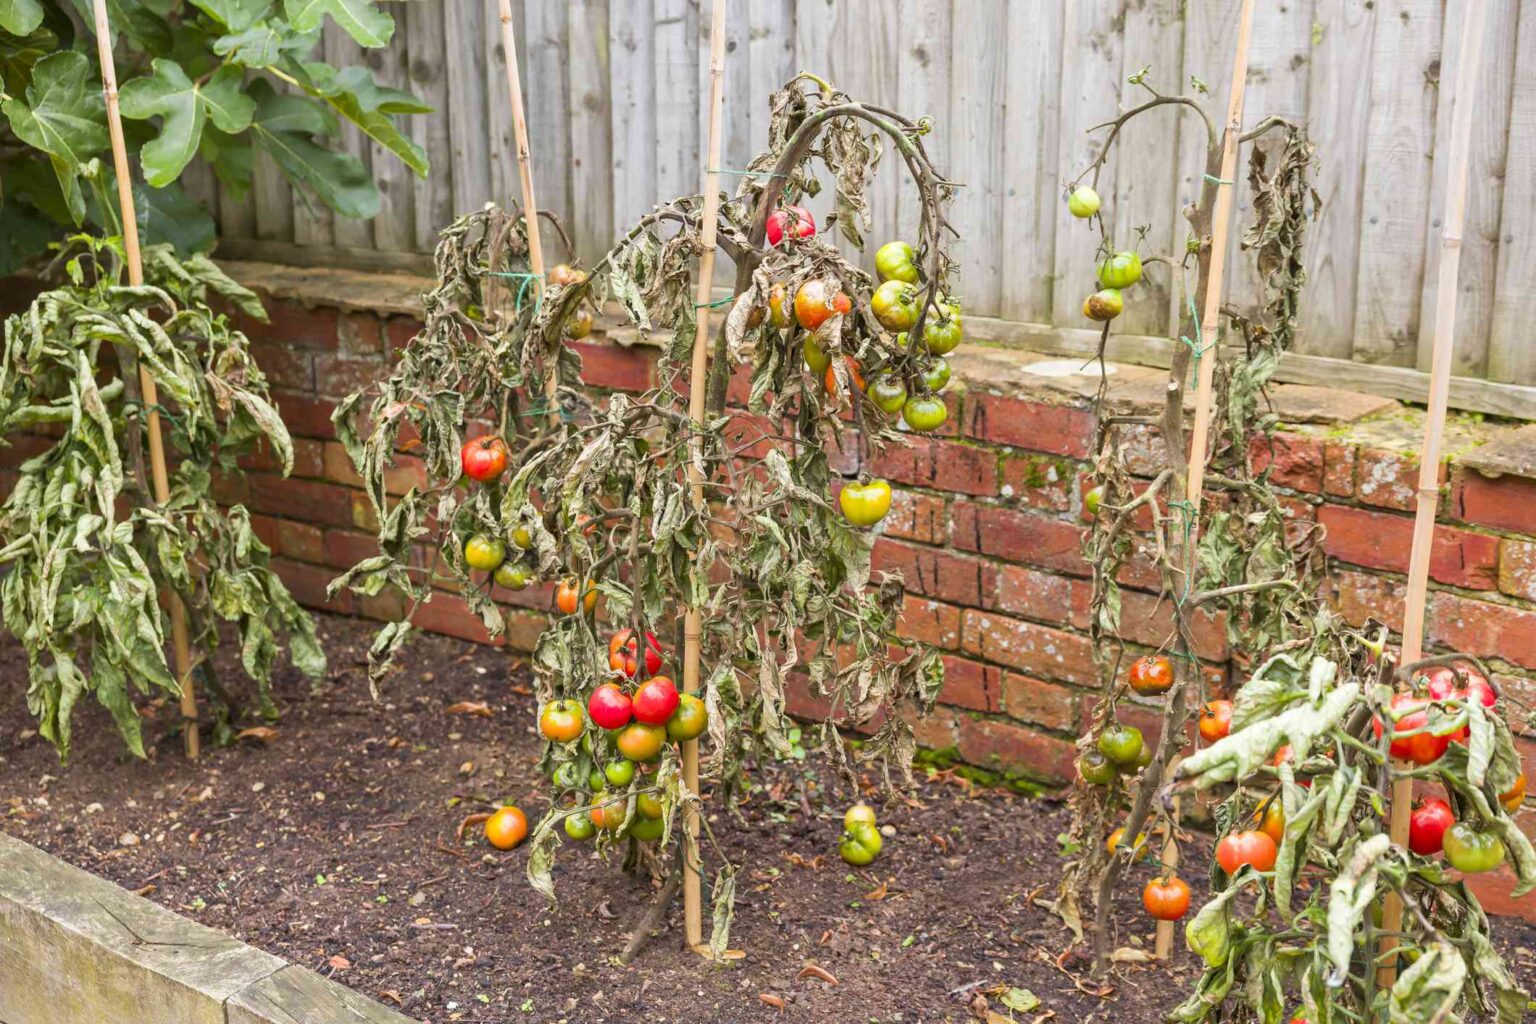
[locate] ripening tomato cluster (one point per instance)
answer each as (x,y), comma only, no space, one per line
(1120,750)
(611,748)
(1426,721)
(1117,271)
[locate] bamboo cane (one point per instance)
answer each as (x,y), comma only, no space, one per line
(147,390)
(1434,424)
(693,622)
(1210,321)
(525,177)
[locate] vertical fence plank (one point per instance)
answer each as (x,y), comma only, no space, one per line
(816,25)
(976,125)
(343,52)
(677,98)
(1485,187)
(433,203)
(632,86)
(394,229)
(591,143)
(923,88)
(1031,186)
(1338,107)
(770,62)
(313,221)
(506,188)
(466,27)
(1210,27)
(546,91)
(1399,140)
(1090,95)
(1511,356)
(1147,174)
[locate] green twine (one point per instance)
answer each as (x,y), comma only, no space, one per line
(163,411)
(1187,514)
(525,278)
(745,174)
(717,303)
(544,410)
(1198,348)
(1217,181)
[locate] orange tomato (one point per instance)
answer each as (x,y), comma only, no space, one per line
(853,374)
(1250,847)
(506,828)
(1166,899)
(814,305)
(1215,720)
(1516,795)
(1272,823)
(568,594)
(640,741)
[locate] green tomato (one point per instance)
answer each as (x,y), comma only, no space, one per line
(1096,769)
(1470,851)
(647,830)
(925,413)
(859,814)
(619,773)
(567,775)
(860,845)
(1092,500)
(484,552)
(865,504)
(895,305)
(1104,305)
(1121,744)
(513,575)
(690,719)
(595,781)
(648,805)
(1083,202)
(895,261)
(888,393)
(1121,270)
(815,358)
(579,827)
(942,334)
(936,374)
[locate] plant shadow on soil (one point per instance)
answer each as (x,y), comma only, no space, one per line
(334,846)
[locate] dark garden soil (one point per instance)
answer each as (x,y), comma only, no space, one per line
(333,845)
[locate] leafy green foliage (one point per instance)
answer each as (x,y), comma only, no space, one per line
(87,554)
(1315,945)
(598,486)
(218,80)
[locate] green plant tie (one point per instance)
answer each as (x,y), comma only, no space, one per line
(1217,181)
(1187,517)
(718,302)
(744,173)
(1198,348)
(544,410)
(525,278)
(163,411)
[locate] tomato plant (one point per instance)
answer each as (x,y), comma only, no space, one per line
(597,498)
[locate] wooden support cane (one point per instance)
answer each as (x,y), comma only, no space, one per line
(693,622)
(1434,427)
(525,176)
(148,393)
(1205,356)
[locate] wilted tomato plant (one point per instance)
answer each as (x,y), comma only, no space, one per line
(595,495)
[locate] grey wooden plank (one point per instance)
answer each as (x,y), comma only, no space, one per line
(394,229)
(465,29)
(342,51)
(1031,187)
(546,96)
(632,107)
(294,994)
(975,128)
(432,203)
(1338,106)
(1511,356)
(591,143)
(923,90)
(502,151)
(677,98)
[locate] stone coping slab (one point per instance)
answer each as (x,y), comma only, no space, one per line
(75,948)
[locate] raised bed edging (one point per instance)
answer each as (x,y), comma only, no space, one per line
(75,947)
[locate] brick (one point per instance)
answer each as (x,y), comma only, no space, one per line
(800,702)
(1521,691)
(1358,596)
(1483,628)
(938,730)
(308,583)
(361,333)
(300,541)
(308,500)
(1502,502)
(935,572)
(1517,568)
(916,516)
(1142,448)
(1494,890)
(342,549)
(308,458)
(1028,646)
(338,375)
(265,528)
(1388,479)
(1018,536)
(306,415)
(1022,423)
(450,614)
(986,742)
(939,465)
(286,366)
(1148,619)
(1040,703)
(406,472)
(970,684)
(930,622)
(1381,540)
(1040,481)
(292,323)
(1338,470)
(523,629)
(399,331)
(1042,596)
(606,365)
(1292,460)
(231,488)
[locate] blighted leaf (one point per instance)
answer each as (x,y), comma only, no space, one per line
(1350,895)
(1430,988)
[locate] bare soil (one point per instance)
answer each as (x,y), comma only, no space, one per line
(333,843)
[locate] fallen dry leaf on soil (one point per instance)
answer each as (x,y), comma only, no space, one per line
(813,971)
(263,734)
(478,708)
(774,1001)
(470,821)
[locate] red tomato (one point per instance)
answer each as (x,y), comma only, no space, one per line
(1250,847)
(655,701)
(1151,674)
(610,707)
(1426,826)
(1421,747)
(622,656)
(1215,720)
(794,221)
(484,458)
(1166,899)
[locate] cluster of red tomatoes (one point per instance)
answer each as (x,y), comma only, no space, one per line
(895,305)
(629,723)
(1117,271)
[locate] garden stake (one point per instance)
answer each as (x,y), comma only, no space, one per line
(1434,428)
(148,394)
(693,621)
(525,176)
(1205,362)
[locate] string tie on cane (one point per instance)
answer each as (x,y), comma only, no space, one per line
(525,278)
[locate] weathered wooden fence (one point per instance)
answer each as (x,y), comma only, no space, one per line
(1014,85)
